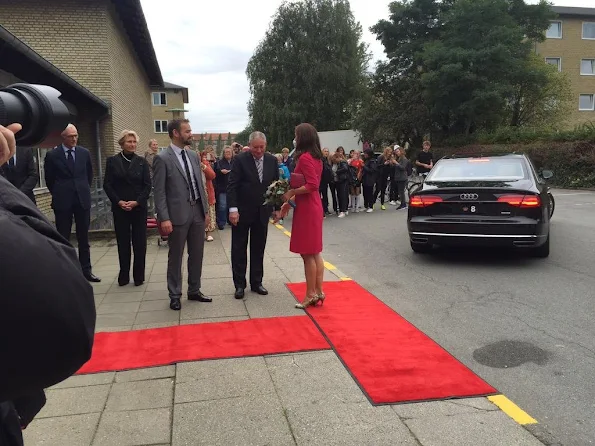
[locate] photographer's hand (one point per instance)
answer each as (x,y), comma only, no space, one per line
(8,143)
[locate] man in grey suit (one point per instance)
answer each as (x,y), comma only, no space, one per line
(182,210)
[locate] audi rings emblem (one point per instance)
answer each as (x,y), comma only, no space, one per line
(469,196)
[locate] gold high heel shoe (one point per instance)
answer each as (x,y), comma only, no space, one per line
(320,298)
(308,302)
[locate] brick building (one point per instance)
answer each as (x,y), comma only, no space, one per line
(217,140)
(104,47)
(570,45)
(167,103)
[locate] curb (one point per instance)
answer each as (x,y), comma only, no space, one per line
(517,414)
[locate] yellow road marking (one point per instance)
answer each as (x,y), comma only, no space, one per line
(279,227)
(512,410)
(287,233)
(345,278)
(329,266)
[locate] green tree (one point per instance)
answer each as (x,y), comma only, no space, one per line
(243,136)
(310,67)
(201,143)
(542,97)
(219,144)
(228,141)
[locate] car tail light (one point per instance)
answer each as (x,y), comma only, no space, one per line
(422,201)
(522,201)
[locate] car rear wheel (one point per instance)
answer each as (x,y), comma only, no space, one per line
(421,248)
(542,251)
(552,204)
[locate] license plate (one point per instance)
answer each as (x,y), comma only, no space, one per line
(471,208)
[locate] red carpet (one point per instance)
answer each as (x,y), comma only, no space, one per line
(162,346)
(391,360)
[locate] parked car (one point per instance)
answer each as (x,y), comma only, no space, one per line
(482,201)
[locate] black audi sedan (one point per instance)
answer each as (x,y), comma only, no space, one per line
(482,201)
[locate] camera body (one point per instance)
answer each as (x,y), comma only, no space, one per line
(40,111)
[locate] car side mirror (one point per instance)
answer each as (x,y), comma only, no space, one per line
(547,174)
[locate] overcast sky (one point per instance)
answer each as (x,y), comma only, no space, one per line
(206,45)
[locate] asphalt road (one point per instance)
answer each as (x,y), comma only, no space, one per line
(525,325)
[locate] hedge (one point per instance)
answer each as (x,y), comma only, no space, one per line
(573,163)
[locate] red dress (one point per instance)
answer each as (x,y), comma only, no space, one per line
(306,229)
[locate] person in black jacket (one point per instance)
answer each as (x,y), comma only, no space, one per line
(325,181)
(369,179)
(127,183)
(21,171)
(223,168)
(340,171)
(46,325)
(68,176)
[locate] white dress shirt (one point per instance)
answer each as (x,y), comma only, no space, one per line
(178,152)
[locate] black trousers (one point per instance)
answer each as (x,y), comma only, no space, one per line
(333,189)
(342,195)
(10,428)
(257,231)
(381,185)
(82,220)
(368,197)
(394,190)
(324,197)
(131,226)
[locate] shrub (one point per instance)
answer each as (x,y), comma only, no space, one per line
(573,163)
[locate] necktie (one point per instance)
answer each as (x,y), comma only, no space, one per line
(11,162)
(70,160)
(188,176)
(259,169)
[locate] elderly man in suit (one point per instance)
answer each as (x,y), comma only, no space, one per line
(20,170)
(68,176)
(253,172)
(182,210)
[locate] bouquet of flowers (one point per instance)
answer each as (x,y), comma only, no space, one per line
(274,194)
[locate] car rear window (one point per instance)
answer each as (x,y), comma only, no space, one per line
(505,169)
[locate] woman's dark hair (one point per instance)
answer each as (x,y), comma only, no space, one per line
(307,140)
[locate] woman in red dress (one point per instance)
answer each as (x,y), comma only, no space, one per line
(306,229)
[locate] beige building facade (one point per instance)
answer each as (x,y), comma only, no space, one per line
(570,46)
(105,47)
(167,103)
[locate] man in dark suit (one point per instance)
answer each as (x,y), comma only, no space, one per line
(21,171)
(182,210)
(253,172)
(68,176)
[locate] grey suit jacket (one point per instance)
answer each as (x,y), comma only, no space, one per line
(172,191)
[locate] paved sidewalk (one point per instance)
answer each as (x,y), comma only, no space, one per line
(296,399)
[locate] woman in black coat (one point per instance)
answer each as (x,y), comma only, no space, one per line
(127,183)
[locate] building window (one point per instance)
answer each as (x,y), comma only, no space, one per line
(589,30)
(556,61)
(39,157)
(586,102)
(588,67)
(554,31)
(159,98)
(160,126)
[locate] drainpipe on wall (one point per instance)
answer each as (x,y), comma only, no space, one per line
(99,168)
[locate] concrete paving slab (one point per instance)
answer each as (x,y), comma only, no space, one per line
(276,304)
(139,427)
(123,297)
(312,378)
(115,320)
(75,401)
(158,277)
(101,288)
(137,395)
(490,428)
(209,320)
(167,371)
(155,325)
(115,288)
(225,378)
(150,317)
(86,380)
(73,430)
(222,306)
(118,307)
(216,271)
(443,408)
(336,423)
(243,421)
(156,295)
(154,305)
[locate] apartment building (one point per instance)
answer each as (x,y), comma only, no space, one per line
(570,46)
(99,54)
(167,103)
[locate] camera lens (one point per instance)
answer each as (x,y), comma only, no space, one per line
(39,109)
